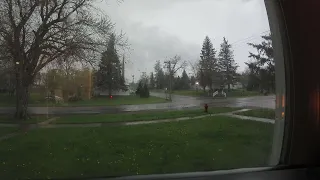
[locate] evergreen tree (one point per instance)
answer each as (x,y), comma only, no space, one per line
(227,65)
(139,88)
(159,76)
(109,76)
(152,82)
(263,65)
(192,80)
(177,83)
(145,93)
(208,65)
(253,77)
(185,82)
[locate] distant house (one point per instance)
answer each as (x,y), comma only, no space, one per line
(237,85)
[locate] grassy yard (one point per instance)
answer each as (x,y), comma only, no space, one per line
(34,119)
(242,93)
(209,144)
(262,113)
(7,130)
(37,100)
(7,100)
(139,116)
(232,93)
(190,92)
(117,100)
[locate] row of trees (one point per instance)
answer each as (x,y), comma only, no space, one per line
(211,70)
(218,70)
(36,33)
(160,79)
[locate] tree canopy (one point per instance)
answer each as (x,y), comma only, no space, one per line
(227,65)
(109,74)
(262,66)
(34,33)
(208,68)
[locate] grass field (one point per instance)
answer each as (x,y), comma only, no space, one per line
(242,93)
(197,145)
(7,130)
(139,116)
(262,113)
(37,100)
(190,93)
(34,119)
(232,93)
(7,100)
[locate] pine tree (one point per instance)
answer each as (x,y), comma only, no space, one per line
(145,93)
(152,81)
(227,65)
(159,76)
(185,82)
(109,76)
(139,89)
(208,65)
(263,63)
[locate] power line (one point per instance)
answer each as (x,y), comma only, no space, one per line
(246,41)
(250,37)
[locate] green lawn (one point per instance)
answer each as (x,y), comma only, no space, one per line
(139,116)
(232,93)
(34,119)
(7,130)
(117,100)
(242,93)
(262,113)
(7,100)
(37,100)
(190,92)
(197,145)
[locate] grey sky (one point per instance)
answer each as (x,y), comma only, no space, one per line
(157,29)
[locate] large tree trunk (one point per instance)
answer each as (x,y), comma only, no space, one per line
(110,90)
(22,99)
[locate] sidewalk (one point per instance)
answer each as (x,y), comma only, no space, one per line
(46,124)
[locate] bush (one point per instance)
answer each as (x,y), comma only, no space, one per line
(139,89)
(74,99)
(145,92)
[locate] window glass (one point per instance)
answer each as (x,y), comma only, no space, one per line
(117,88)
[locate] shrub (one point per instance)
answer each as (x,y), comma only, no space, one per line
(145,92)
(74,99)
(139,89)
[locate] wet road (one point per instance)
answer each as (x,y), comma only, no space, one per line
(178,102)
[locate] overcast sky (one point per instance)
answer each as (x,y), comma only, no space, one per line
(157,29)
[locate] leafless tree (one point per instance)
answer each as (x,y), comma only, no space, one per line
(173,65)
(37,32)
(195,66)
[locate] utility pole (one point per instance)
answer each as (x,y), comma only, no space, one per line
(123,66)
(170,75)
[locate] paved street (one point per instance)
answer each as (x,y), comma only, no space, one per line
(178,102)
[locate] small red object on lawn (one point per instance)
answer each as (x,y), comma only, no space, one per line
(110,97)
(206,108)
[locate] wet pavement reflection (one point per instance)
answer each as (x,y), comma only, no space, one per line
(178,102)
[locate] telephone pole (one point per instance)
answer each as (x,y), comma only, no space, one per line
(123,66)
